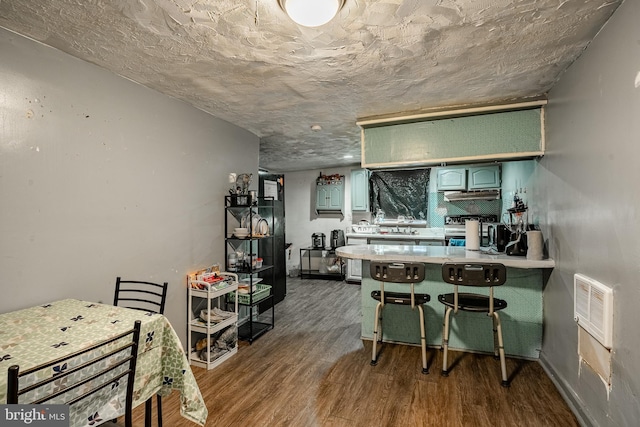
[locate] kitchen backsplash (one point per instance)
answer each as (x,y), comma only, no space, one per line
(439,208)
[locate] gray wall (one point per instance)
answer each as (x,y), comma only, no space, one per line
(590,174)
(101,177)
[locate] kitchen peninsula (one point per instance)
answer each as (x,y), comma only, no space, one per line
(521,320)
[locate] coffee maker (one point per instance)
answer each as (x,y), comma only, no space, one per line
(337,239)
(317,240)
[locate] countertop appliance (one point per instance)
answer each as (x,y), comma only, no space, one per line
(317,240)
(517,246)
(502,237)
(337,239)
(454,227)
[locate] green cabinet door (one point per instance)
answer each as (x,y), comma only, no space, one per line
(360,190)
(336,196)
(322,197)
(481,177)
(452,179)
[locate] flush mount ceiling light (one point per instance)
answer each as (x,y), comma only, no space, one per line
(311,13)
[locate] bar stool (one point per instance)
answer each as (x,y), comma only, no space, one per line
(485,275)
(398,272)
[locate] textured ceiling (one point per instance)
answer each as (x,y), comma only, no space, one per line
(244,61)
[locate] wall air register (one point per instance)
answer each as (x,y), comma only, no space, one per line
(593,308)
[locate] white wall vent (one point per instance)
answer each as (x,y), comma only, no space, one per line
(593,308)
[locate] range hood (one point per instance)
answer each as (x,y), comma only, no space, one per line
(453,196)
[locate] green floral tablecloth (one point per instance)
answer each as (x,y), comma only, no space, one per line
(38,334)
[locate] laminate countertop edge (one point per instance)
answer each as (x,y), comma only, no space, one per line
(437,255)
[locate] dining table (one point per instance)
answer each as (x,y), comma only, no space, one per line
(39,334)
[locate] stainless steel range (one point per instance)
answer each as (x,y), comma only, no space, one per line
(454,227)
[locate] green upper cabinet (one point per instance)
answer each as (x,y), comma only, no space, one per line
(468,178)
(322,197)
(457,137)
(330,195)
(452,179)
(360,190)
(481,177)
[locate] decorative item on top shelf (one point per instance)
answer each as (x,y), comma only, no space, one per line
(240,194)
(329,179)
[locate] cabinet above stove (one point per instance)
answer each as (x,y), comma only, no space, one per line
(469,183)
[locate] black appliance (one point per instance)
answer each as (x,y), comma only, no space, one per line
(454,227)
(278,259)
(518,246)
(337,239)
(502,237)
(317,240)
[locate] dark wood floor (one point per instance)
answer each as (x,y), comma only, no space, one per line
(313,370)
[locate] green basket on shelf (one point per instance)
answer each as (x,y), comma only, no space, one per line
(261,292)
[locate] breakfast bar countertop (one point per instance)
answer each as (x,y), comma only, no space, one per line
(437,255)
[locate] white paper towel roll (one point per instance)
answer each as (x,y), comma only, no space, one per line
(534,245)
(472,235)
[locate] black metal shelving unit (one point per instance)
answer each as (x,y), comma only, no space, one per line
(308,273)
(257,313)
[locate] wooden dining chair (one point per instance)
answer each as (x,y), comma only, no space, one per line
(146,296)
(105,364)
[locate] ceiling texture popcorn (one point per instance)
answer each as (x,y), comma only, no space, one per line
(247,62)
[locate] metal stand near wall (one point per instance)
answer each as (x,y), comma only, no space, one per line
(255,270)
(312,257)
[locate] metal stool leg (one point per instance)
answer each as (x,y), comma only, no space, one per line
(445,341)
(496,344)
(503,363)
(374,352)
(423,341)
